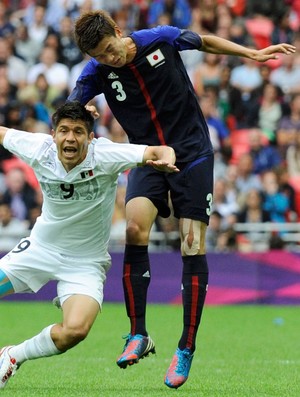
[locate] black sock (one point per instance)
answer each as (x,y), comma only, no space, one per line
(136,279)
(194,282)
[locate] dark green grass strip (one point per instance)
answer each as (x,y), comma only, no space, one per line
(242,351)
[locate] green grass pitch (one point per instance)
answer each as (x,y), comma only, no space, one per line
(242,351)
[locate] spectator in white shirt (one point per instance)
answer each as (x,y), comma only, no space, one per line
(57,74)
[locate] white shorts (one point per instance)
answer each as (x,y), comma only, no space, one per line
(29,267)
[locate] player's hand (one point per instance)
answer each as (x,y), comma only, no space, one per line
(163,166)
(93,110)
(272,52)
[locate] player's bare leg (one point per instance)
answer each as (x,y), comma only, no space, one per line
(194,287)
(136,279)
(79,314)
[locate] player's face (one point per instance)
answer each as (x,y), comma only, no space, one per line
(72,140)
(111,51)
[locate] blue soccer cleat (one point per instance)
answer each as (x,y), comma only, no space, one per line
(136,347)
(179,368)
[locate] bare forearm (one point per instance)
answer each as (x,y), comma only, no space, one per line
(162,158)
(218,45)
(164,153)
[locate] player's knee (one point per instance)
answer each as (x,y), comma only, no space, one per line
(74,335)
(190,246)
(135,234)
(193,240)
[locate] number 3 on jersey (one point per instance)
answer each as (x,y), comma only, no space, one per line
(117,85)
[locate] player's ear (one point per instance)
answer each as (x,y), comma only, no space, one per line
(53,133)
(118,31)
(91,136)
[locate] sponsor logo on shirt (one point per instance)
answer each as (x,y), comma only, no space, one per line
(156,58)
(112,76)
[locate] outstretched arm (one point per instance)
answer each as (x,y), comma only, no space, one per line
(218,45)
(2,134)
(162,158)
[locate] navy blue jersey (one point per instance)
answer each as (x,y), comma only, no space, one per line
(152,97)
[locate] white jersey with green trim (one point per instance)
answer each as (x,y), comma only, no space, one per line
(77,205)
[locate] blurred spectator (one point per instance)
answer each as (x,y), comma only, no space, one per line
(57,74)
(208,73)
(275,202)
(191,58)
(293,157)
(288,190)
(246,77)
(267,111)
(11,228)
(209,14)
(213,232)
(14,115)
(41,95)
(25,46)
(178,10)
(271,9)
(287,76)
(218,131)
(19,195)
(224,96)
(132,15)
(246,180)
(252,212)
(7,29)
(70,54)
(282,32)
(238,33)
(36,24)
(116,132)
(224,18)
(52,40)
(16,67)
(289,126)
(7,94)
(224,202)
(264,156)
(244,81)
(75,72)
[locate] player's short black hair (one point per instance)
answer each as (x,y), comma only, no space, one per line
(73,110)
(91,27)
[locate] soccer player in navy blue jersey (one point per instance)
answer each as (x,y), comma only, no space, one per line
(149,92)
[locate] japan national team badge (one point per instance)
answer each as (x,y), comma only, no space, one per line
(156,58)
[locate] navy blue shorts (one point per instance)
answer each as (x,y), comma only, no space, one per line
(190,189)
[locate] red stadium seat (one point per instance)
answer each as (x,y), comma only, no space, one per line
(295,183)
(239,139)
(28,171)
(260,29)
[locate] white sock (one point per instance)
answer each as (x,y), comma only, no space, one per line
(40,345)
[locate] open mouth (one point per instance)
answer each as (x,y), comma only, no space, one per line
(69,151)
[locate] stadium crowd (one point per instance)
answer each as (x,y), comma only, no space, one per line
(252,110)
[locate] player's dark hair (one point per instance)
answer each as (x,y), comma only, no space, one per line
(73,110)
(91,28)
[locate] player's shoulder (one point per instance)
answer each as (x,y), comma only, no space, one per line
(90,68)
(157,34)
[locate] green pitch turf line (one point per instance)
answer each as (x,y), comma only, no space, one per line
(242,351)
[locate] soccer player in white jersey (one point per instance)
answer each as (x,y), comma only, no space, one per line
(69,242)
